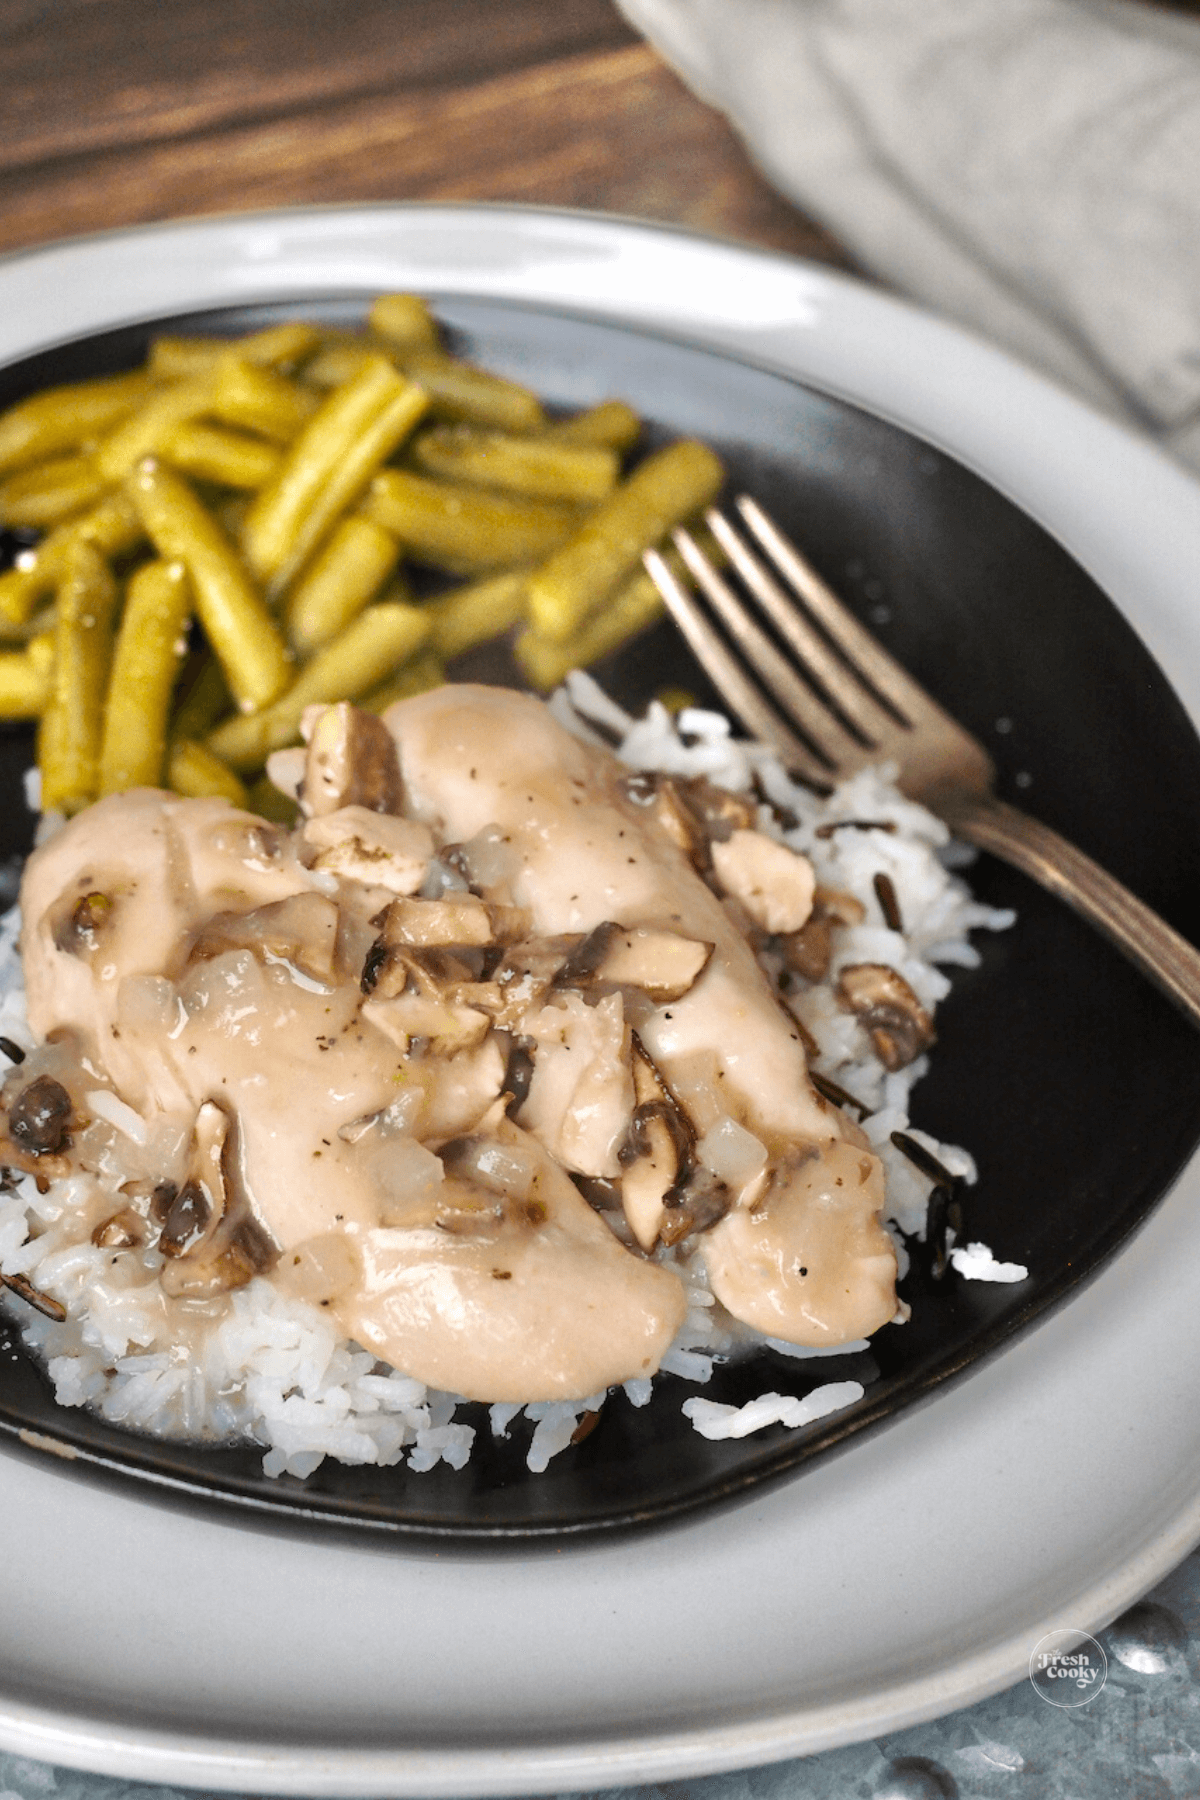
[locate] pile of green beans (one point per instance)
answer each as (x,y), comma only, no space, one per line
(224,533)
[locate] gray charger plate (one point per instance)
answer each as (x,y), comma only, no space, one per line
(1073,1083)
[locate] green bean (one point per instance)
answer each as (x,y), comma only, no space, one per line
(327,469)
(235,619)
(72,724)
(470,615)
(344,576)
(403,320)
(465,530)
(48,493)
(118,454)
(63,418)
(459,391)
(536,466)
(27,679)
(578,579)
(257,399)
(422,672)
(194,771)
(544,661)
(211,453)
(611,425)
(277,346)
(113,527)
(149,653)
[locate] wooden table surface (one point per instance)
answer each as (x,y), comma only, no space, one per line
(114,112)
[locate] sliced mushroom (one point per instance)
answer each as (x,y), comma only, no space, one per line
(301,930)
(809,951)
(39,1117)
(191,1213)
(518,1074)
(680,823)
(351,761)
(702,1203)
(773,883)
(123,1230)
(457,920)
(210,1237)
(373,848)
(718,812)
(80,930)
(526,973)
(448,1025)
(839,906)
(285,770)
(656,1155)
(898,1025)
(662,964)
(232,1260)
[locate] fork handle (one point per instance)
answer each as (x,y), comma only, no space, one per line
(1148,941)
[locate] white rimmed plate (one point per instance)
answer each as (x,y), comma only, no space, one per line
(889,1585)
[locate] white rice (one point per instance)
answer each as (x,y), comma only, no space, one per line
(271,1370)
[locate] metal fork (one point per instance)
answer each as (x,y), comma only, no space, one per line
(852,704)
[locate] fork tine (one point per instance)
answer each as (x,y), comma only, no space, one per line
(829,738)
(892,683)
(858,704)
(743,696)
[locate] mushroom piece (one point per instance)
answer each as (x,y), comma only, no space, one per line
(656,1153)
(234,1258)
(351,761)
(773,883)
(210,1237)
(692,811)
(376,849)
(448,1025)
(678,820)
(527,971)
(662,964)
(301,930)
(702,1203)
(898,1025)
(452,922)
(191,1213)
(123,1230)
(39,1117)
(285,770)
(809,951)
(80,931)
(718,812)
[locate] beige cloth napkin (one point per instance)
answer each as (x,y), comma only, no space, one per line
(1030,168)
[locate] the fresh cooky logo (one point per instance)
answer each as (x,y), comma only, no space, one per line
(1068,1668)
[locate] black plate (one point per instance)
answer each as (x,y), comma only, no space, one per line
(1076,1087)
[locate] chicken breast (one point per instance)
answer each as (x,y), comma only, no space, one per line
(581,850)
